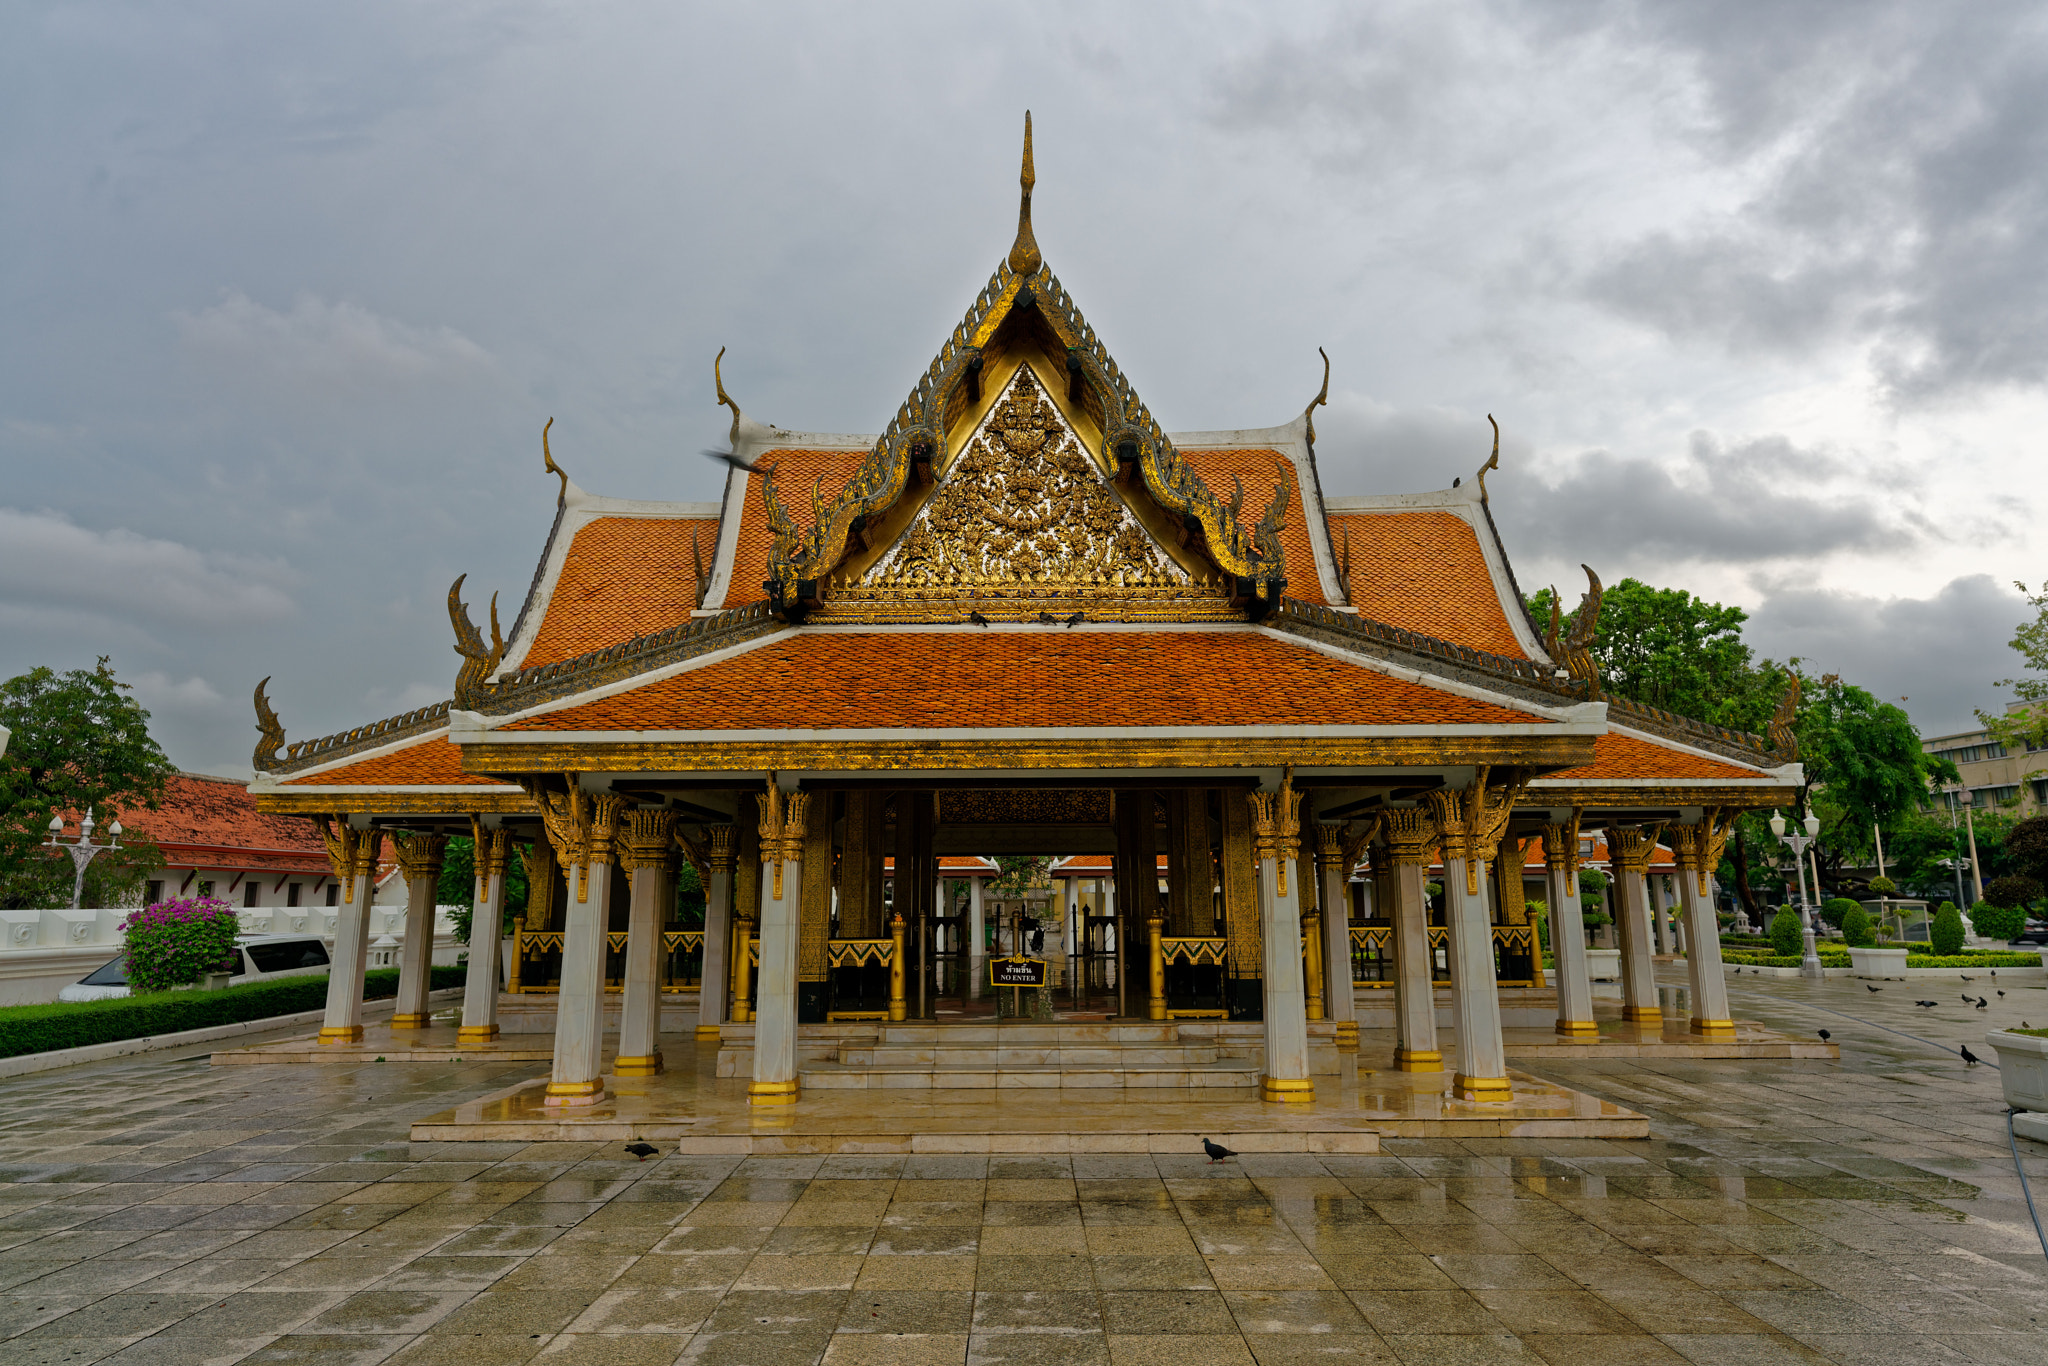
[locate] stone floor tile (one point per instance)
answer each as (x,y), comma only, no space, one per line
(681,1273)
(762,1312)
(1459,1349)
(164,1350)
(1146,1240)
(918,1273)
(384,1312)
(516,1311)
(1600,1349)
(714,1240)
(256,1313)
(1882,1349)
(63,1351)
(477,1349)
(1069,1272)
(944,1241)
(907,1311)
(1038,1349)
(1320,1349)
(1294,1311)
(769,1272)
(1179,1350)
(1121,1272)
(119,1315)
(1494,1271)
(726,1348)
(436,1272)
(1554,1311)
(1198,1312)
(1037,1311)
(1424,1311)
(327,1350)
(1740,1349)
(1253,1271)
(823,1240)
(896,1349)
(1033,1242)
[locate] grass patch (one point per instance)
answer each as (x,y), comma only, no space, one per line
(74,1024)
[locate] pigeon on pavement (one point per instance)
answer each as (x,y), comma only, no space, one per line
(1983,1001)
(1217,1152)
(1825,1036)
(1970,1059)
(2001,991)
(1868,987)
(1966,977)
(642,1151)
(1929,1005)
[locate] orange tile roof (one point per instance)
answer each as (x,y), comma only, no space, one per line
(1262,471)
(1624,756)
(431,763)
(219,813)
(815,680)
(1533,855)
(1423,571)
(796,473)
(622,577)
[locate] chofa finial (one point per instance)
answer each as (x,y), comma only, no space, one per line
(1024,257)
(725,399)
(1322,398)
(548,458)
(1492,461)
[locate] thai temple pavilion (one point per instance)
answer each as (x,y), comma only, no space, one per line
(1027,619)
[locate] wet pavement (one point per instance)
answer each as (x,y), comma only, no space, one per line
(157,1209)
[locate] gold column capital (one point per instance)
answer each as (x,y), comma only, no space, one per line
(1276,825)
(1631,847)
(646,838)
(1561,843)
(721,847)
(419,856)
(1470,822)
(606,813)
(783,817)
(341,852)
(1410,835)
(1699,847)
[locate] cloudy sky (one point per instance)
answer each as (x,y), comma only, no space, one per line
(286,292)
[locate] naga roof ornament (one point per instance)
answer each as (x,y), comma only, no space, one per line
(802,563)
(269,729)
(478,659)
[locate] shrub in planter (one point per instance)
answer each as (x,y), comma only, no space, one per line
(1997,921)
(1857,929)
(1883,886)
(1787,935)
(173,943)
(1945,935)
(1834,908)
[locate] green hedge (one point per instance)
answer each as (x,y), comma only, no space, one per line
(1985,959)
(73,1024)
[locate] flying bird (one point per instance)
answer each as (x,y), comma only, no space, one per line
(1076,619)
(977,618)
(642,1151)
(1825,1036)
(1970,1059)
(1217,1152)
(733,460)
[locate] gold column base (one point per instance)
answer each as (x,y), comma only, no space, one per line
(575,1092)
(1714,1029)
(1642,1014)
(741,1015)
(1482,1088)
(647,1066)
(1418,1060)
(342,1034)
(707,1033)
(1578,1029)
(771,1093)
(1347,1036)
(409,1021)
(475,1034)
(1287,1090)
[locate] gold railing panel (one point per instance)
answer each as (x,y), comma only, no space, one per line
(857,953)
(1205,951)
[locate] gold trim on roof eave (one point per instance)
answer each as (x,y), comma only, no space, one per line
(1550,751)
(445,801)
(1731,792)
(1081,735)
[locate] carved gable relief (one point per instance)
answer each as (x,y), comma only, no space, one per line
(1023,507)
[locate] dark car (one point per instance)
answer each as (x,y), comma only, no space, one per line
(2035,933)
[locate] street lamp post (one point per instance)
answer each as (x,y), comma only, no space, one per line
(82,849)
(1809,962)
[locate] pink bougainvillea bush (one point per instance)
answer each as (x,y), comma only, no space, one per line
(173,943)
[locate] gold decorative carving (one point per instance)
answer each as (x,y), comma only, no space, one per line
(344,852)
(782,830)
(269,729)
(1330,846)
(1240,890)
(1023,507)
(1561,843)
(647,838)
(579,825)
(1410,835)
(1699,847)
(538,859)
(1784,741)
(478,659)
(1572,650)
(1276,826)
(1470,823)
(419,856)
(491,849)
(1024,257)
(693,853)
(1631,847)
(721,843)
(547,459)
(1030,806)
(606,812)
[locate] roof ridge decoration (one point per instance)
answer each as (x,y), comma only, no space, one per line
(479,661)
(269,731)
(801,563)
(1572,648)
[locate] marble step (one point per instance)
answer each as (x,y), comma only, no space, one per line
(1006,1055)
(925,1033)
(1230,1075)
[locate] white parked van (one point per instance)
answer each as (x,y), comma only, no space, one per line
(264,956)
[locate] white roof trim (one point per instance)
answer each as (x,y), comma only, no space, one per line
(1290,440)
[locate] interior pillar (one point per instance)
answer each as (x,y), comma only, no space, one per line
(647,855)
(1189,907)
(353,856)
(1568,929)
(716,977)
(1409,841)
(860,867)
(1276,838)
(1244,934)
(1333,877)
(1628,850)
(812,974)
(1469,826)
(977,937)
(746,903)
(782,829)
(419,861)
(491,847)
(1699,854)
(583,829)
(1137,885)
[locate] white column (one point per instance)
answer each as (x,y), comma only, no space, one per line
(1481,1054)
(977,938)
(577,1077)
(717,977)
(1629,849)
(649,856)
(1409,837)
(1340,1001)
(419,860)
(1699,854)
(1276,827)
(490,846)
(353,855)
(1574,977)
(782,843)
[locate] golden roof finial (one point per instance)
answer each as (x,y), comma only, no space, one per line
(1024,257)
(548,463)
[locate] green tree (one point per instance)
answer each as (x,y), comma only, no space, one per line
(1863,761)
(2029,725)
(1996,919)
(1856,929)
(1665,648)
(2026,848)
(1835,910)
(79,741)
(457,886)
(1946,932)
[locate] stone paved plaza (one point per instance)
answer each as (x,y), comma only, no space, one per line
(162,1210)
